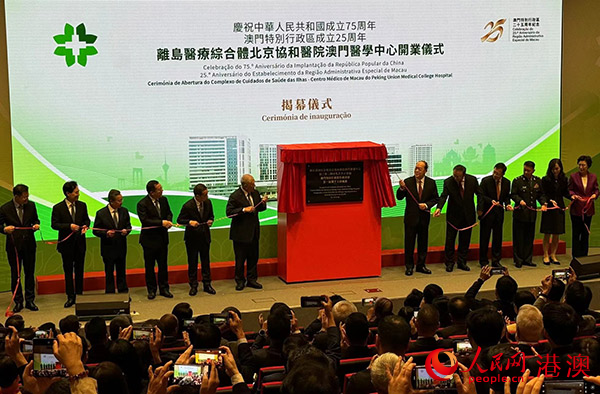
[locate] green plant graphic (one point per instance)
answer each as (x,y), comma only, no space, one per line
(69,44)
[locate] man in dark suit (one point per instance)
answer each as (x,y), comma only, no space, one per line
(115,224)
(460,189)
(495,191)
(427,323)
(243,207)
(417,216)
(197,215)
(526,190)
(154,211)
(70,218)
(14,215)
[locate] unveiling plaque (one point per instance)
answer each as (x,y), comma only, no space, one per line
(334,182)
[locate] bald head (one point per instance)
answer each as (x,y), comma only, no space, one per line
(247,182)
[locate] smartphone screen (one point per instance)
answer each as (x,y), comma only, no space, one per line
(463,347)
(422,380)
(202,356)
(565,387)
(188,375)
(27,346)
(141,334)
(45,364)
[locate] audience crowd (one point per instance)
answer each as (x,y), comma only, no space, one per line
(508,344)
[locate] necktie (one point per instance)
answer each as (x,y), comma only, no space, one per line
(20,213)
(498,188)
(73,212)
(157,207)
(420,190)
(249,199)
(462,189)
(200,208)
(116,220)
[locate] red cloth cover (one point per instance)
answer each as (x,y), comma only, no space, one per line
(294,157)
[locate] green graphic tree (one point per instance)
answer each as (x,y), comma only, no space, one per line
(69,44)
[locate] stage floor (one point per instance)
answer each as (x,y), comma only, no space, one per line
(392,284)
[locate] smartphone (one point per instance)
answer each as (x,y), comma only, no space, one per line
(188,375)
(142,333)
(567,387)
(498,271)
(26,346)
(563,274)
(422,381)
(416,312)
(312,301)
(462,346)
(187,324)
(219,318)
(369,301)
(42,334)
(202,356)
(45,364)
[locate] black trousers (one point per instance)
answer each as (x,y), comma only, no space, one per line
(27,269)
(193,250)
(464,240)
(246,252)
(523,236)
(73,262)
(581,237)
(418,233)
(156,254)
(491,226)
(118,264)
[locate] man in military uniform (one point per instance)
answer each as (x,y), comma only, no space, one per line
(526,190)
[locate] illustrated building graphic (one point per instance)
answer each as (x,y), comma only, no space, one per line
(218,160)
(267,162)
(422,152)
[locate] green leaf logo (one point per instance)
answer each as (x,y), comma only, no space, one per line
(75,47)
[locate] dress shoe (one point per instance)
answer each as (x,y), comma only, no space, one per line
(555,261)
(152,295)
(546,262)
(409,272)
(496,264)
(209,289)
(193,291)
(70,302)
(18,307)
(463,267)
(254,284)
(424,270)
(530,264)
(240,286)
(31,306)
(166,294)
(518,265)
(449,268)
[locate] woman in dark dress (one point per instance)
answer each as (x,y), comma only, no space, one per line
(556,189)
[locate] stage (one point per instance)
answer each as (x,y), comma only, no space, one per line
(392,284)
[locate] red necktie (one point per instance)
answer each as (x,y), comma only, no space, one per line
(498,188)
(420,190)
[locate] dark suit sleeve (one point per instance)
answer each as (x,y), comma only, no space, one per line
(507,199)
(126,220)
(184,218)
(435,198)
(142,211)
(478,191)
(2,220)
(34,215)
(401,193)
(169,212)
(86,217)
(247,363)
(443,196)
(240,388)
(514,191)
(99,223)
(211,214)
(233,207)
(56,222)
